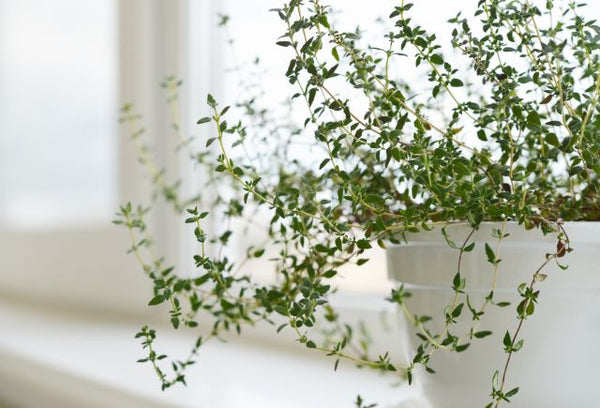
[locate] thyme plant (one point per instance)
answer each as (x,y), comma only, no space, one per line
(505,128)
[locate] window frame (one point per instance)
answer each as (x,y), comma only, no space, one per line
(85,267)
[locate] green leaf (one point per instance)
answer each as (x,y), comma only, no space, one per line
(530,308)
(205,119)
(455,82)
(461,169)
(533,119)
(323,20)
(507,340)
(457,282)
(321,248)
(210,100)
(311,95)
(156,300)
(462,347)
(180,285)
(226,305)
(363,244)
(375,199)
(482,334)
(489,252)
(421,42)
(457,310)
(517,111)
(202,279)
(437,59)
(552,139)
(335,54)
(469,247)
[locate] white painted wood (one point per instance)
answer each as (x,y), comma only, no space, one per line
(56,361)
(86,266)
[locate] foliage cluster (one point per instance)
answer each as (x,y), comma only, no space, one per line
(505,128)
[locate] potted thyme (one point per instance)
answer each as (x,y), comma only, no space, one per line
(481,182)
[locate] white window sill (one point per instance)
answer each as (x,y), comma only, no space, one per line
(52,360)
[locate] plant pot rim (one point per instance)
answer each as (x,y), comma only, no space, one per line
(583,231)
(426,259)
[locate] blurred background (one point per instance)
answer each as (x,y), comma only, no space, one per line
(71,299)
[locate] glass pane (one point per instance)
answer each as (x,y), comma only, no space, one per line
(58,113)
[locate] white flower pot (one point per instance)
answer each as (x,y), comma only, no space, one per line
(559,364)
